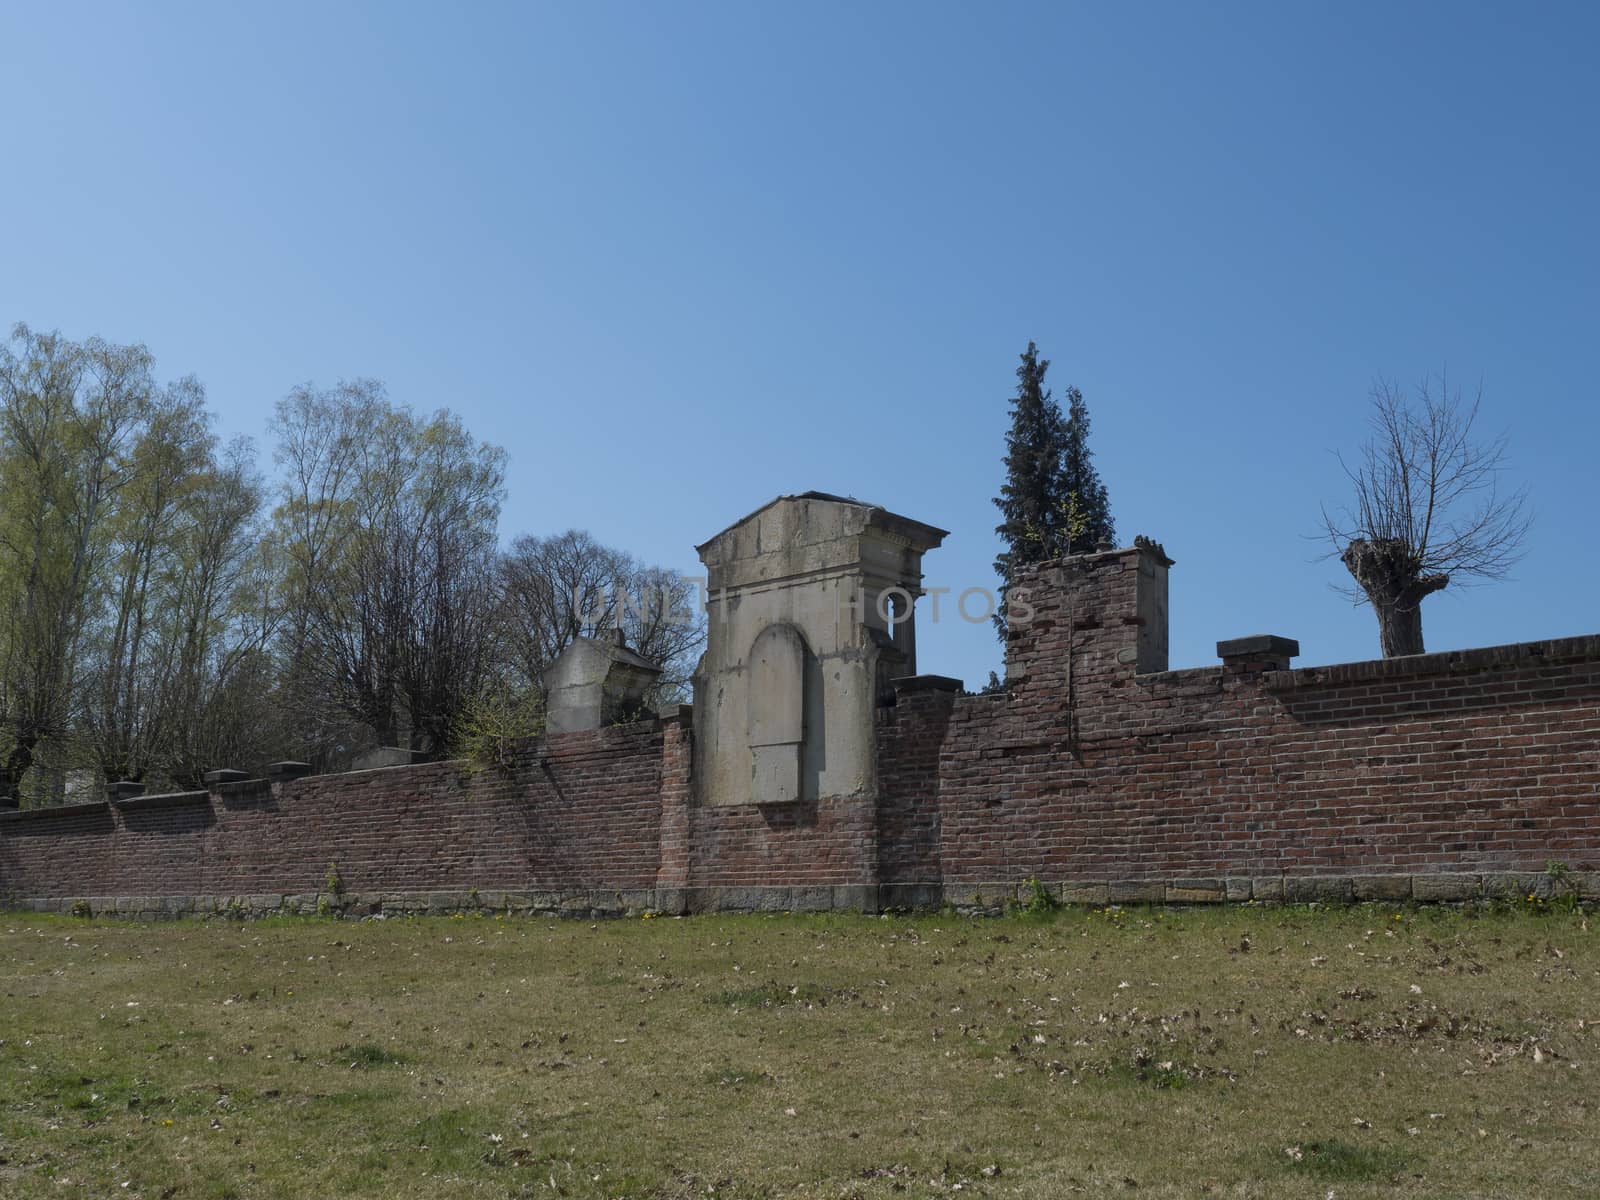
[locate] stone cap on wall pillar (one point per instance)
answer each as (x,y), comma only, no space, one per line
(378,757)
(1259,652)
(682,714)
(926,683)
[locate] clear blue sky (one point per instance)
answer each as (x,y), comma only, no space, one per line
(677,259)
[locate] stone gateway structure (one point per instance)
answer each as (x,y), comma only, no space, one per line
(809,622)
(818,769)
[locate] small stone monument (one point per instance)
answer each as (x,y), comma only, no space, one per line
(596,682)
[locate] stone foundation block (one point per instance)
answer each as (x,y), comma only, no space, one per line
(740,899)
(672,901)
(1137,891)
(1317,889)
(1085,893)
(1435,888)
(1512,885)
(1381,887)
(855,897)
(638,900)
(1267,888)
(817,898)
(1196,891)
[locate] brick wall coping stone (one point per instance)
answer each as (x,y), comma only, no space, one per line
(1265,644)
(60,810)
(1446,662)
(926,683)
(1443,662)
(163,800)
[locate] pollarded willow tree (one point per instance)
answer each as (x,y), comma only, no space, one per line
(1427,509)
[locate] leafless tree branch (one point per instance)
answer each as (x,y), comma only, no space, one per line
(1428,507)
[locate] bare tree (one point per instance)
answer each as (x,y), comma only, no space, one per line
(1427,510)
(558,588)
(387,523)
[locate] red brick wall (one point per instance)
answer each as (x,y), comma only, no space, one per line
(1476,761)
(1472,762)
(580,810)
(810,843)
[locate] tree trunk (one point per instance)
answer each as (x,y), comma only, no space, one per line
(1399,627)
(15,769)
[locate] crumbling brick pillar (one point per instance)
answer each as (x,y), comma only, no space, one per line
(1089,620)
(677,755)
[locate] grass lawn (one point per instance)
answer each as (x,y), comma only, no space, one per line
(1374,1051)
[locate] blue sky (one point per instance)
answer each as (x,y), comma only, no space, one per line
(677,259)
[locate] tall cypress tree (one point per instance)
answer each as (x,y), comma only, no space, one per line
(1031,503)
(1081,482)
(1053,502)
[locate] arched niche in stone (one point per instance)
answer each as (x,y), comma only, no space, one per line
(777,707)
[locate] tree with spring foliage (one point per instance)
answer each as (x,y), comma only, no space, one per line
(125,540)
(69,415)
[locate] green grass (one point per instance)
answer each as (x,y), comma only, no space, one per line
(774,995)
(1171,1053)
(366,1056)
(1338,1161)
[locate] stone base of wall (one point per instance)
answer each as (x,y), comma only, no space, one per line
(1259,889)
(969,898)
(585,904)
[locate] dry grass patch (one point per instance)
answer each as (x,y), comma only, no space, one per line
(1241,1053)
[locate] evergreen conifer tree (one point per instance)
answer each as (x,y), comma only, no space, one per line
(1081,482)
(1053,502)
(1030,501)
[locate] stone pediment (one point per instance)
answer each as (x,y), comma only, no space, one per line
(814,533)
